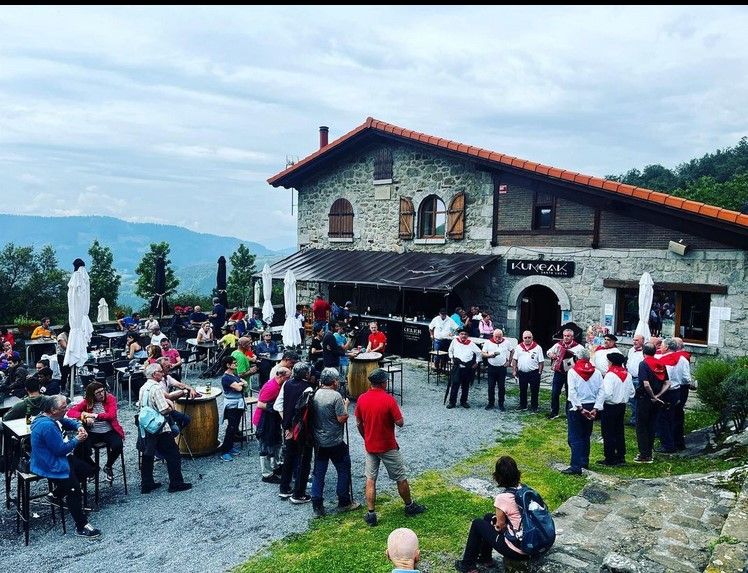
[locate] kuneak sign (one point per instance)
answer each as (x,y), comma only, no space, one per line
(563,269)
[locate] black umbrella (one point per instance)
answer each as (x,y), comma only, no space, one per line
(221,282)
(159,305)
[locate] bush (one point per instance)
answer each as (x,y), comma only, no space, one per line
(735,388)
(710,373)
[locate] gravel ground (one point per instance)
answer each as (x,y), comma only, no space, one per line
(230,514)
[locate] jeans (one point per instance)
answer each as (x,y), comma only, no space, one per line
(559,384)
(532,379)
(233,416)
(440,344)
(579,432)
(482,539)
(297,465)
(633,402)
(496,377)
(646,419)
(110,438)
(180,421)
(341,459)
(166,445)
(611,425)
(679,417)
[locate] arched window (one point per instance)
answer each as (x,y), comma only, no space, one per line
(432,218)
(341,220)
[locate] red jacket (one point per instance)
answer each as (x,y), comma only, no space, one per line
(109,414)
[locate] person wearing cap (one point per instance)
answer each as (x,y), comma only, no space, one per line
(464,354)
(618,389)
(442,329)
(600,357)
(377,414)
(585,400)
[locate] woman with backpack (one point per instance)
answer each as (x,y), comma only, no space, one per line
(491,532)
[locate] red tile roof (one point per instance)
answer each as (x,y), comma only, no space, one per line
(648,195)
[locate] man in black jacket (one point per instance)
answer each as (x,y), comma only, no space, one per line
(297,455)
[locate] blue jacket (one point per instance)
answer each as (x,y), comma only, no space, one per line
(48,450)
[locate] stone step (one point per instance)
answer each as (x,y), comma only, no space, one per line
(730,554)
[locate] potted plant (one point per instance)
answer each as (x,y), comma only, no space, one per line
(25,325)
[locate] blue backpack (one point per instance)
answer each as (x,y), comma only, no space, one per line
(537,531)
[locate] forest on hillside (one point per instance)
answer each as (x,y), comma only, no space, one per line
(719,178)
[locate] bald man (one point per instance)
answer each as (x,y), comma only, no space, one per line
(403,551)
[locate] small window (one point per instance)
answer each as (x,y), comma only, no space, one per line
(383,165)
(543,213)
(341,220)
(432,218)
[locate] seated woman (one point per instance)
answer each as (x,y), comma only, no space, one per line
(485,326)
(267,345)
(230,339)
(154,353)
(98,414)
(205,334)
(134,347)
(489,533)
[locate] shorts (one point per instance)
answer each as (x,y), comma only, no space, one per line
(393,462)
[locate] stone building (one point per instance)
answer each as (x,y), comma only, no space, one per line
(543,246)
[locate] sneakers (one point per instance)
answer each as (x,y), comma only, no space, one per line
(88,531)
(350,507)
(370,517)
(109,474)
(450,406)
(319,510)
(272,478)
(150,487)
(180,487)
(283,494)
(552,416)
(414,509)
(462,568)
(298,500)
(235,451)
(227,457)
(639,459)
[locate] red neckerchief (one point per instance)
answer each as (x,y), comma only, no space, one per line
(657,367)
(528,348)
(584,368)
(248,353)
(684,354)
(670,359)
(619,371)
(571,345)
(497,340)
(466,342)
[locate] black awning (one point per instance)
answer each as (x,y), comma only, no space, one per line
(411,271)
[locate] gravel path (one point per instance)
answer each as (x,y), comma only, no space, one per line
(230,514)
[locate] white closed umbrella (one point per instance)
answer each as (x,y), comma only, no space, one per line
(267,291)
(257,294)
(81,329)
(103,315)
(291,335)
(646,294)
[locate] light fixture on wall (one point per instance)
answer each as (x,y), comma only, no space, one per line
(679,248)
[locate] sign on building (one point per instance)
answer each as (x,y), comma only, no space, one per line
(562,269)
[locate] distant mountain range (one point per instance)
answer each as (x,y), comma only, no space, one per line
(194,256)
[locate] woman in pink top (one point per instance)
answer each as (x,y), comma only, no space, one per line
(267,424)
(487,534)
(485,326)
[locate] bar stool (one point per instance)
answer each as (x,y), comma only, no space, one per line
(394,367)
(248,433)
(24,499)
(439,355)
(97,447)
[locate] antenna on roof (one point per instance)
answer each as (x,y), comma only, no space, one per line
(291,160)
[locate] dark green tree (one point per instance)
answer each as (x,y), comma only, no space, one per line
(146,271)
(239,282)
(16,268)
(46,291)
(105,281)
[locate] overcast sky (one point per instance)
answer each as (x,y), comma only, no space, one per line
(179,115)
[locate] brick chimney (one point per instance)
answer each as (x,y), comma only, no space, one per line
(323,133)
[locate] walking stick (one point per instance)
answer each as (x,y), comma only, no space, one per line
(454,370)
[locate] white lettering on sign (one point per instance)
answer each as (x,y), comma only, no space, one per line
(546,268)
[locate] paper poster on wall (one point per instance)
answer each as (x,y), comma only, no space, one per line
(715,314)
(608,319)
(565,316)
(511,314)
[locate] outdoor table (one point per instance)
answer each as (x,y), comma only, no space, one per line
(7,404)
(358,374)
(39,342)
(13,431)
(267,361)
(207,345)
(200,436)
(125,371)
(111,336)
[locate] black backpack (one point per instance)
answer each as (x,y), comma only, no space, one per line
(537,532)
(302,422)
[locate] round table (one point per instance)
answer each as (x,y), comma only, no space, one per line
(200,437)
(358,373)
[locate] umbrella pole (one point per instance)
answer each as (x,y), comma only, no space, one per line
(73,376)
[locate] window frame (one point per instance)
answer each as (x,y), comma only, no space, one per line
(537,206)
(343,218)
(383,165)
(432,202)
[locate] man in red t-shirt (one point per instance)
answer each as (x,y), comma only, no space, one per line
(320,307)
(377,339)
(377,414)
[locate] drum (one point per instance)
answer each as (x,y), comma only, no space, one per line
(201,435)
(358,373)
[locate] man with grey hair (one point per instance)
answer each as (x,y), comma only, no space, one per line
(151,394)
(634,358)
(50,459)
(403,551)
(498,351)
(562,355)
(330,416)
(377,414)
(670,424)
(298,455)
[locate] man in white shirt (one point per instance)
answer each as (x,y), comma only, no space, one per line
(442,329)
(498,350)
(157,336)
(562,356)
(634,358)
(670,423)
(464,354)
(527,366)
(600,359)
(617,389)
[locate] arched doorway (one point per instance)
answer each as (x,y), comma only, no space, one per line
(539,312)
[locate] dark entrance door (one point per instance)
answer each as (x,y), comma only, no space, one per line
(540,314)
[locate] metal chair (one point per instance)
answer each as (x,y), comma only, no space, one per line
(393,365)
(25,498)
(97,447)
(432,370)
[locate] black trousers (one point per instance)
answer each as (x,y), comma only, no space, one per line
(461,379)
(297,463)
(167,447)
(110,438)
(611,425)
(70,488)
(233,416)
(496,377)
(679,418)
(646,422)
(64,371)
(531,379)
(482,540)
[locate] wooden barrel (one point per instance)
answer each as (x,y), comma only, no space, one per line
(201,435)
(359,370)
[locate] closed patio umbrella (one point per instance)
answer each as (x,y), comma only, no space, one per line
(267,291)
(291,335)
(646,294)
(257,295)
(103,314)
(158,302)
(81,329)
(221,282)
